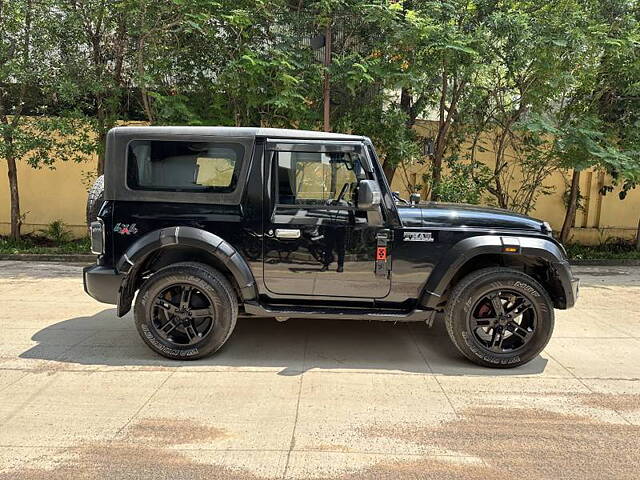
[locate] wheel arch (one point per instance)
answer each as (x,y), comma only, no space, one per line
(532,255)
(170,245)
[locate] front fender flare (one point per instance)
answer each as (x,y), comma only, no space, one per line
(465,250)
(131,261)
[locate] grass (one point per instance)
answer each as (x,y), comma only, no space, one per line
(39,244)
(617,249)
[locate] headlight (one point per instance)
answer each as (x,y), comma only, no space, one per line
(97,237)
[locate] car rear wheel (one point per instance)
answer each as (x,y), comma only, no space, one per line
(186,311)
(498,317)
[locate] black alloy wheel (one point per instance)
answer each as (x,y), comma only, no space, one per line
(186,310)
(503,321)
(183,315)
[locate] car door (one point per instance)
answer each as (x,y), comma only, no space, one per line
(317,242)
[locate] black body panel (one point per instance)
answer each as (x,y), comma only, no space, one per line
(454,215)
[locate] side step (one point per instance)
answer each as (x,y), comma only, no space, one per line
(279,312)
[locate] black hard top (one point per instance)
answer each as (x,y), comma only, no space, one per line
(235,132)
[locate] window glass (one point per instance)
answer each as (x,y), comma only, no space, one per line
(316,178)
(183,166)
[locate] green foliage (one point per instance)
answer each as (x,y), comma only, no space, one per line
(386,127)
(35,244)
(549,85)
(57,232)
(43,141)
(612,248)
(597,122)
(465,182)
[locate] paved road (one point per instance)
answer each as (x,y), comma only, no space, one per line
(82,397)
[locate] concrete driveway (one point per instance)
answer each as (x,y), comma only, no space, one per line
(82,397)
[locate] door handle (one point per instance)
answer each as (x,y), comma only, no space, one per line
(287,233)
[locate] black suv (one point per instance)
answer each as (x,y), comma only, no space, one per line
(210,223)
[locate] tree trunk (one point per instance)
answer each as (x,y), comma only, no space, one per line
(16,219)
(638,236)
(436,177)
(438,157)
(572,208)
(102,140)
(445,118)
(501,195)
(389,171)
(406,100)
(326,88)
(102,127)
(101,152)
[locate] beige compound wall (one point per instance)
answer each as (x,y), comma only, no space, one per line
(47,195)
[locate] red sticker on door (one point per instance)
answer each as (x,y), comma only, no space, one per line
(381,253)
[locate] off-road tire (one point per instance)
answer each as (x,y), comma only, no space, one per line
(95,200)
(471,288)
(208,281)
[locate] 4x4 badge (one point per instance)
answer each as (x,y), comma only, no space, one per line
(125,228)
(418,237)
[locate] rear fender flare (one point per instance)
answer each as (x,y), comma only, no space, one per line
(135,256)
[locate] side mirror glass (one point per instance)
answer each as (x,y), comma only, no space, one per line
(369,194)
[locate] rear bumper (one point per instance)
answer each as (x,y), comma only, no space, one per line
(102,283)
(570,284)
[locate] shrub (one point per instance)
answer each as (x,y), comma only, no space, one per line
(57,232)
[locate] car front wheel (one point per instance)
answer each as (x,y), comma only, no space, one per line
(498,317)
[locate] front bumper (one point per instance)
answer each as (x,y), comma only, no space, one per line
(570,284)
(102,283)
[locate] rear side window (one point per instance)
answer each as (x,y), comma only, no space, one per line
(183,166)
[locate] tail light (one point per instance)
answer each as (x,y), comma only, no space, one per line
(97,237)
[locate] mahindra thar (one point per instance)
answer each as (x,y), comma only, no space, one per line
(202,225)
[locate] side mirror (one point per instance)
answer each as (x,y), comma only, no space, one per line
(369,194)
(414,198)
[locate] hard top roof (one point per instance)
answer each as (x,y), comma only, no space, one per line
(235,132)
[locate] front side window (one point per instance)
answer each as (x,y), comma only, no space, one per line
(183,166)
(318,178)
